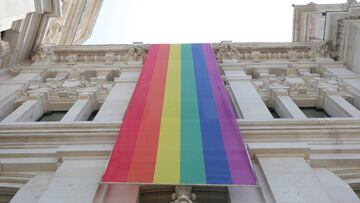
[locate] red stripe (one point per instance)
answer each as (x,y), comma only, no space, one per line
(143,164)
(120,160)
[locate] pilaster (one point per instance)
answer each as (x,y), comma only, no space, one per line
(32,190)
(285,106)
(250,103)
(116,103)
(7,99)
(30,110)
(75,180)
(336,106)
(81,109)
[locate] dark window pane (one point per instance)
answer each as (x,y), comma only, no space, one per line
(53,116)
(274,113)
(92,116)
(312,112)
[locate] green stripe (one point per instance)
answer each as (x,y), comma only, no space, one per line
(192,161)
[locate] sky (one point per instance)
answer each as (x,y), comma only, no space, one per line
(195,21)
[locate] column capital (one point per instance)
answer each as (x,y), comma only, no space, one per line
(88,95)
(325,91)
(276,91)
(42,95)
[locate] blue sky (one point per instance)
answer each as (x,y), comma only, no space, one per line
(189,21)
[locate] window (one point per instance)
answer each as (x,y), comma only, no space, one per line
(92,115)
(273,113)
(52,116)
(313,112)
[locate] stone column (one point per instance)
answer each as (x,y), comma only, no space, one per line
(115,104)
(31,110)
(354,86)
(81,109)
(75,180)
(250,103)
(291,179)
(284,105)
(336,106)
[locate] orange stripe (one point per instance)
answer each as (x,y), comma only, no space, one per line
(144,159)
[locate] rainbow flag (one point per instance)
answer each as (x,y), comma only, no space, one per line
(180,127)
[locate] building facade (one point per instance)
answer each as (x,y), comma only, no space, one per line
(61,106)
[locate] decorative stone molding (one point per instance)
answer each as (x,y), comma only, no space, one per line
(337,53)
(183,194)
(49,54)
(242,52)
(75,24)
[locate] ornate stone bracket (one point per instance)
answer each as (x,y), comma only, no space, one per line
(183,194)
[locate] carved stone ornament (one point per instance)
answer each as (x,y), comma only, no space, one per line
(44,54)
(135,55)
(351,1)
(4,48)
(323,49)
(227,52)
(230,53)
(66,86)
(183,194)
(50,54)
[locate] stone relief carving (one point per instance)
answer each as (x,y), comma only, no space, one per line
(323,49)
(44,55)
(227,53)
(67,85)
(135,55)
(183,194)
(47,54)
(4,48)
(352,2)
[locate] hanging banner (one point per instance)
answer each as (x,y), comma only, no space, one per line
(180,127)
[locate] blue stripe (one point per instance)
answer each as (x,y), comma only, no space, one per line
(216,166)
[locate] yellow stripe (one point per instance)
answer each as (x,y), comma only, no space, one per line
(167,168)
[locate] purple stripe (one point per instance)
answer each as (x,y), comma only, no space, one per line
(236,152)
